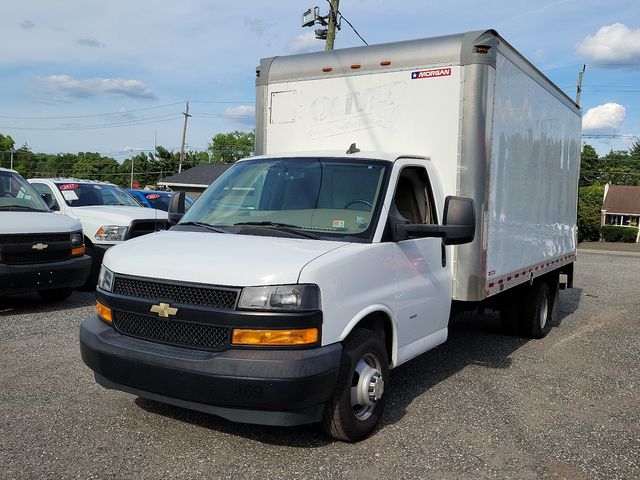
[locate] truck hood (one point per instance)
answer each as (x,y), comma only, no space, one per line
(36,222)
(117,214)
(216,258)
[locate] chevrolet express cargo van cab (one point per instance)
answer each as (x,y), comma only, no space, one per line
(393,185)
(39,251)
(108,214)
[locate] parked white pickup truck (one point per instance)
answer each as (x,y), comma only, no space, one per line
(395,184)
(39,251)
(108,214)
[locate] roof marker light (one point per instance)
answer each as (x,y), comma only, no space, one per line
(355,66)
(327,69)
(385,63)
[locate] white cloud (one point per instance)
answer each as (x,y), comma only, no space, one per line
(27,25)
(66,88)
(608,116)
(240,111)
(307,42)
(89,42)
(612,43)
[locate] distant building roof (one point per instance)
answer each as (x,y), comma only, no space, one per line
(622,199)
(199,176)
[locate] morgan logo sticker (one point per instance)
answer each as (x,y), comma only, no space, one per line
(437,72)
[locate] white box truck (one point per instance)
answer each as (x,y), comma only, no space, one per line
(394,185)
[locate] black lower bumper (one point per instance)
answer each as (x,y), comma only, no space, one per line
(270,387)
(44,276)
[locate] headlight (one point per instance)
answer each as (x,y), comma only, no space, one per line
(280,297)
(76,239)
(105,279)
(111,232)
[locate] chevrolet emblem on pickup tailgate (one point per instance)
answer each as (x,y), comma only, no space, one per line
(40,246)
(163,310)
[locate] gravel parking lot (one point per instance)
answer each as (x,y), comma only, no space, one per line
(483,405)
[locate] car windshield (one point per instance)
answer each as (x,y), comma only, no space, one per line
(86,194)
(18,195)
(328,196)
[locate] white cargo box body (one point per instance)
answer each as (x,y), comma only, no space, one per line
(495,128)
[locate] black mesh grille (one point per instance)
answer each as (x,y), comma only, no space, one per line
(140,228)
(30,238)
(20,258)
(224,299)
(174,332)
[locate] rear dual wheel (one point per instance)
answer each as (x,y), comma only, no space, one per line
(356,405)
(530,310)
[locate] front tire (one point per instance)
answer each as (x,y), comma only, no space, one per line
(357,403)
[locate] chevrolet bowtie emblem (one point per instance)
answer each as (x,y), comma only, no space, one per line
(163,310)
(40,246)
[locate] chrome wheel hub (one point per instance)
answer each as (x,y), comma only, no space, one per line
(367,386)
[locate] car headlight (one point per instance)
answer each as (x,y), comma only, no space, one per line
(280,297)
(111,233)
(76,239)
(105,279)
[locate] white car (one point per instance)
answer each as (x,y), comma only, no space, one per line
(39,251)
(108,214)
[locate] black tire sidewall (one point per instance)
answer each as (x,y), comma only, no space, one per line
(360,343)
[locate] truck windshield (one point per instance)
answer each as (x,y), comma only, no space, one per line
(87,194)
(327,196)
(18,195)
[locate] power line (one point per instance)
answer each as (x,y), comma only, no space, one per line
(338,12)
(14,117)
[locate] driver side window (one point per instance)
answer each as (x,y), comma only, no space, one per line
(413,198)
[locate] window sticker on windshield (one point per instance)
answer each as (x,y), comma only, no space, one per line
(361,220)
(338,224)
(152,196)
(69,195)
(68,186)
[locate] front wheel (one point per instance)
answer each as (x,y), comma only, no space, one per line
(358,400)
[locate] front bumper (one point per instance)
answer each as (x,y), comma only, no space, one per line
(262,386)
(44,276)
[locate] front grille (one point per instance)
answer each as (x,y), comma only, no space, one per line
(142,227)
(22,258)
(19,239)
(214,297)
(174,332)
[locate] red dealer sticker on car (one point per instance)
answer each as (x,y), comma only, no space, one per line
(69,186)
(152,196)
(436,72)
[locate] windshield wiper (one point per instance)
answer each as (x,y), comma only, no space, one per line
(21,207)
(284,226)
(207,226)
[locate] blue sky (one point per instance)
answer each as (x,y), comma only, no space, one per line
(112,77)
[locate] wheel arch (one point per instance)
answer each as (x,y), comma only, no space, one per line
(378,318)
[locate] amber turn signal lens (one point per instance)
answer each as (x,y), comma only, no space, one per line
(301,336)
(104,312)
(77,251)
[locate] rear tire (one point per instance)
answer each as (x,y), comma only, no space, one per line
(537,314)
(355,407)
(55,295)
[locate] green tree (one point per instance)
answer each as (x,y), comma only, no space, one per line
(230,147)
(6,145)
(589,211)
(590,165)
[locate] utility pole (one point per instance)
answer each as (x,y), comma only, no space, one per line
(333,19)
(579,90)
(11,167)
(184,136)
(131,168)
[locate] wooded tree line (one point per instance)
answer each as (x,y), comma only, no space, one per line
(148,167)
(619,167)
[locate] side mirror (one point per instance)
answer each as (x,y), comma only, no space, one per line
(176,207)
(51,203)
(459,220)
(458,226)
